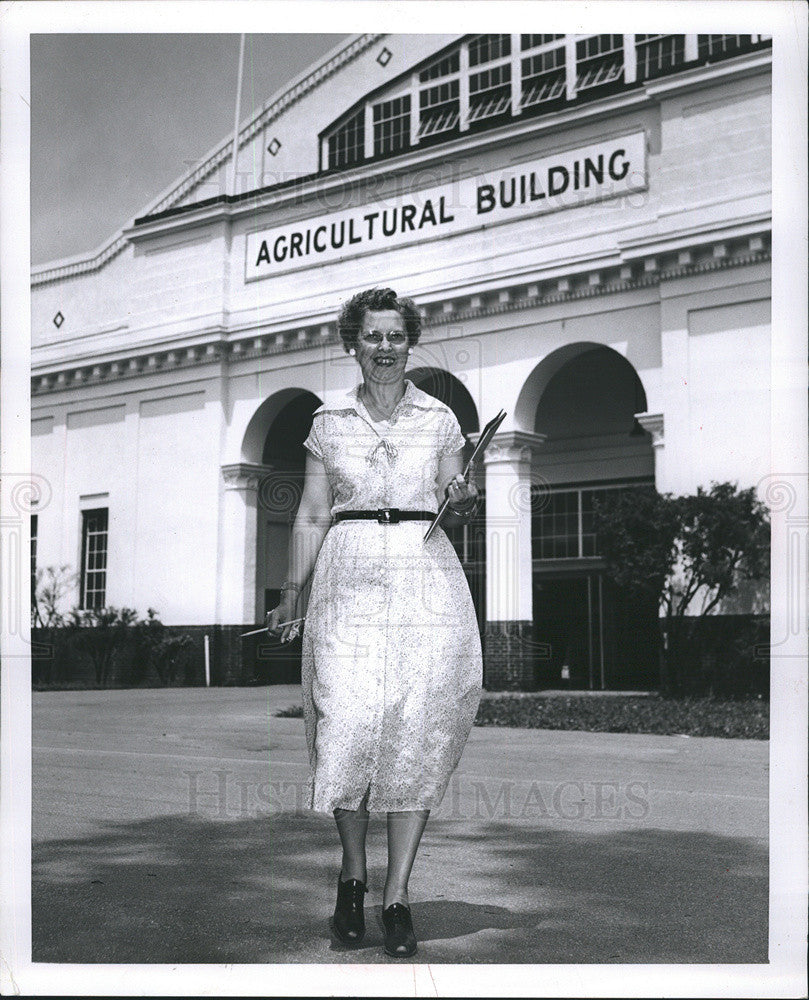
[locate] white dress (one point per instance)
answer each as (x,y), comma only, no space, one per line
(391,663)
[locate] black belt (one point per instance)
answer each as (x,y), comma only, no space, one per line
(386,515)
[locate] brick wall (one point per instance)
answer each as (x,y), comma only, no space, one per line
(508,656)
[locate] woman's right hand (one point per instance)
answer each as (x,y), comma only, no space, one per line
(284,612)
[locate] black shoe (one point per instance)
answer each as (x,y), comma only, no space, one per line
(349,919)
(400,941)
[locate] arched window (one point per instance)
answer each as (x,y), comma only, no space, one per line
(482,81)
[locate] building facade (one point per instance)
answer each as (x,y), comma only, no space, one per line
(584,222)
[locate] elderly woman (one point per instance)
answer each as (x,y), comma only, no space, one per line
(391,666)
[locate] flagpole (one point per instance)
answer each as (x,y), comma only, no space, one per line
(235,154)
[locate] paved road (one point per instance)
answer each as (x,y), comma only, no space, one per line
(166,829)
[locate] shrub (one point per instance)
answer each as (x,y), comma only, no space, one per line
(747,719)
(101,633)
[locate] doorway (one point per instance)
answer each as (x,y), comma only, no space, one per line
(592,635)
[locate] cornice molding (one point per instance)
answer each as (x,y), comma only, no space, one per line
(740,65)
(244,475)
(513,446)
(652,423)
(524,292)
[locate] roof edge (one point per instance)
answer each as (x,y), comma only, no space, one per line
(279,102)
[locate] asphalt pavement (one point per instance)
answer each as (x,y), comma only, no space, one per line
(168,827)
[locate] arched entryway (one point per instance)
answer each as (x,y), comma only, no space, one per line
(583,399)
(469,539)
(284,459)
(272,449)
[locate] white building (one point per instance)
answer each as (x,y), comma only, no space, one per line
(585,223)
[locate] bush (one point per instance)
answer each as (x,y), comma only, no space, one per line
(105,647)
(746,719)
(164,654)
(102,634)
(618,714)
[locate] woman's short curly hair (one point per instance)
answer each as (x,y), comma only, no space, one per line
(349,322)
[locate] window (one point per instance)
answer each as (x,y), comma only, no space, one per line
(347,143)
(487,48)
(490,92)
(439,109)
(543,77)
(659,54)
(534,41)
(392,126)
(599,61)
(719,46)
(94,558)
(555,527)
(444,67)
(563,525)
(471,84)
(34,530)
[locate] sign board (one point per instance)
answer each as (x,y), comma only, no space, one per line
(575,177)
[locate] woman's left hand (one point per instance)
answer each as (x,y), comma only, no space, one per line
(460,492)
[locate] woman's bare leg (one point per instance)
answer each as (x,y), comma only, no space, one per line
(404,834)
(352,825)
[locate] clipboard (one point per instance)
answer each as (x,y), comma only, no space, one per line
(483,442)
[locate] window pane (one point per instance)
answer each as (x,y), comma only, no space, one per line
(94,558)
(533,41)
(392,125)
(490,92)
(347,144)
(659,54)
(599,61)
(486,48)
(439,109)
(721,46)
(449,64)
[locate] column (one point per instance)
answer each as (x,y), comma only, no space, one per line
(415,113)
(236,583)
(463,87)
(509,651)
(653,424)
(570,67)
(516,74)
(630,59)
(369,131)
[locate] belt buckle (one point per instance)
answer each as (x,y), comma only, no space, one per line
(388,515)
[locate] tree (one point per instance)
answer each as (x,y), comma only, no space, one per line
(683,548)
(723,539)
(51,585)
(637,532)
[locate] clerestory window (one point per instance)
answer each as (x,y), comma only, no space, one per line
(482,81)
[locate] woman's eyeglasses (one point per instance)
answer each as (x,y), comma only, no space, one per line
(393,336)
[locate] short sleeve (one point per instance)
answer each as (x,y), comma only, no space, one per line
(312,443)
(450,439)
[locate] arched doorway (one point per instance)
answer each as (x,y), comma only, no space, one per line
(469,540)
(274,440)
(583,398)
(284,457)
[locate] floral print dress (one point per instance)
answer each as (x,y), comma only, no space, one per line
(391,664)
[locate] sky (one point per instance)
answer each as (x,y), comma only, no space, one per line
(117,118)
